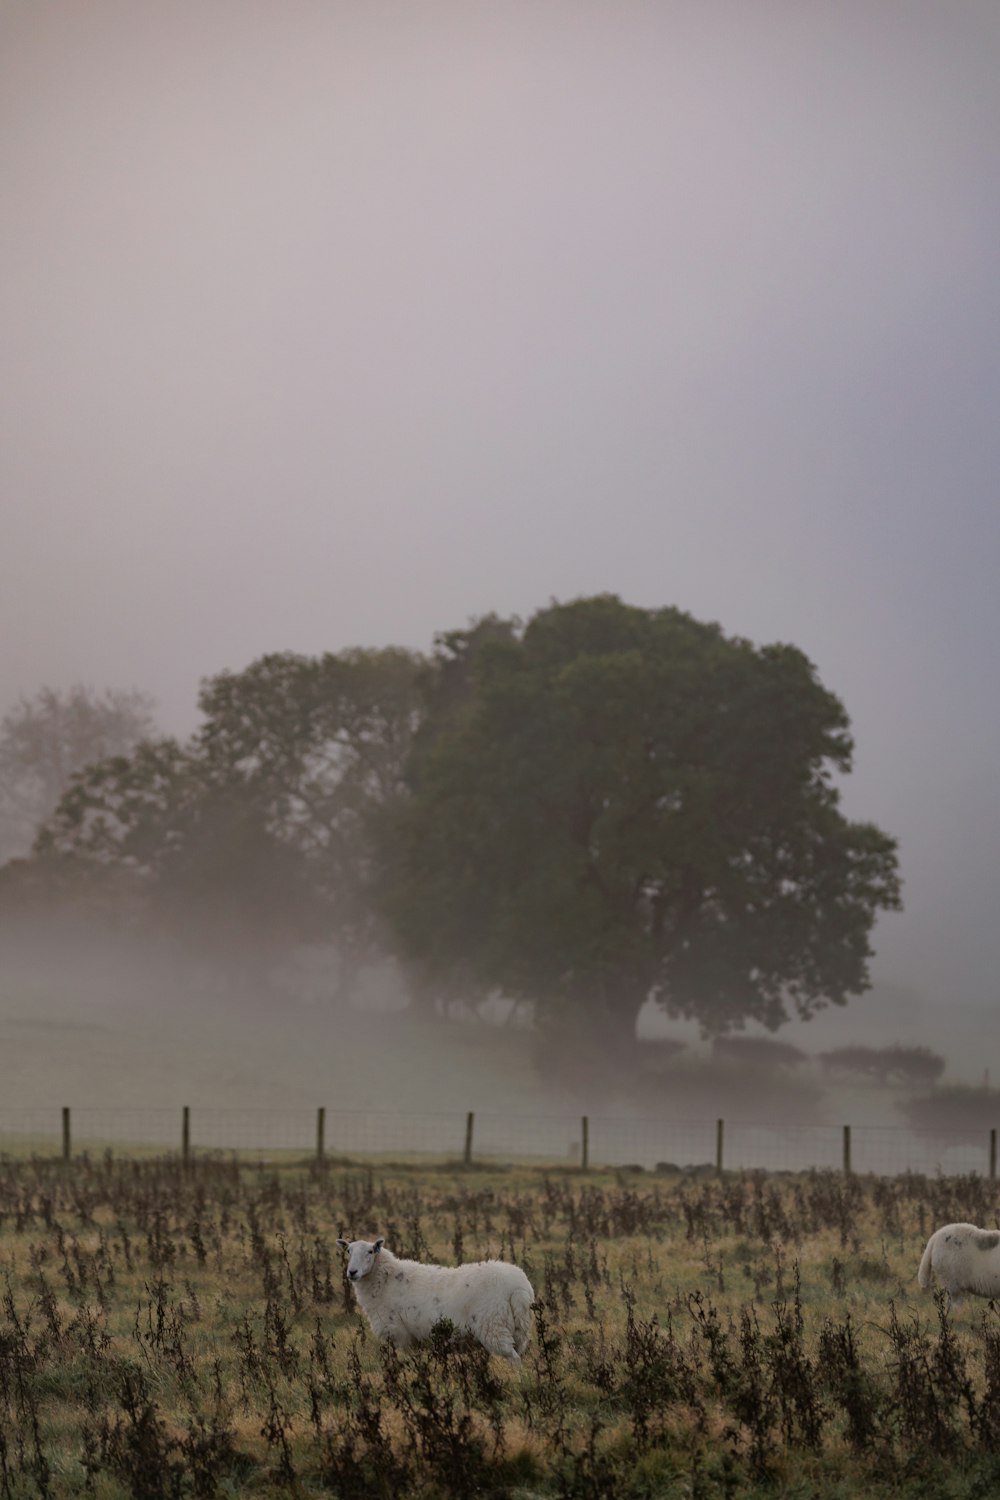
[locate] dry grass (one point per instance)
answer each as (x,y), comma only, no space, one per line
(189,1333)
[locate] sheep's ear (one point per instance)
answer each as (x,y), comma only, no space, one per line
(378,1245)
(343,1244)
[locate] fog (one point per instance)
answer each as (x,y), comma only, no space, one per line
(126,1036)
(332,325)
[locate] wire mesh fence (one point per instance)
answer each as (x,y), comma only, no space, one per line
(887,1151)
(653,1143)
(576,1142)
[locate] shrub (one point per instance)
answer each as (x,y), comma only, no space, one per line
(761,1051)
(895,1064)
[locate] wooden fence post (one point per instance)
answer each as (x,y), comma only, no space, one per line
(65,1134)
(186,1136)
(847,1150)
(993,1154)
(720,1132)
(585,1143)
(320,1133)
(469,1120)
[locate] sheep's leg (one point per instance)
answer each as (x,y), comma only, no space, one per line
(505,1349)
(955,1303)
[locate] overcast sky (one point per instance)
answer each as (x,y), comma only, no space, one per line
(326,324)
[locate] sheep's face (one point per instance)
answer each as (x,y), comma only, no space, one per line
(361,1257)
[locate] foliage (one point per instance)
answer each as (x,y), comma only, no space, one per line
(316,745)
(172,1332)
(760,1051)
(197,856)
(895,1064)
(624,802)
(46,739)
(254,835)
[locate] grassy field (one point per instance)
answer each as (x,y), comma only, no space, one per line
(171,1333)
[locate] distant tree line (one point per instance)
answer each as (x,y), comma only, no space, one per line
(603,805)
(47,739)
(895,1064)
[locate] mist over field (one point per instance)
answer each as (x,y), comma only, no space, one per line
(83,1024)
(330,328)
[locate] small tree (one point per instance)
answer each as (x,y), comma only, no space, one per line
(194,856)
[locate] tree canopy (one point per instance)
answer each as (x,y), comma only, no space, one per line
(251,837)
(315,745)
(625,803)
(604,805)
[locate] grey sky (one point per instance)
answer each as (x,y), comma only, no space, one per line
(329,324)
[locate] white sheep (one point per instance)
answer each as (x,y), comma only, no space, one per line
(963,1259)
(403,1299)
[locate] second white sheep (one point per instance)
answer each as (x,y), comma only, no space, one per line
(963,1259)
(403,1299)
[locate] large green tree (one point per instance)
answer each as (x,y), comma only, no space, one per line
(622,803)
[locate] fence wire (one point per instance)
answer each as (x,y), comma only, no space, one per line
(652,1144)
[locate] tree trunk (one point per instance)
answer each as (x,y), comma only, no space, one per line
(601,1039)
(424,996)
